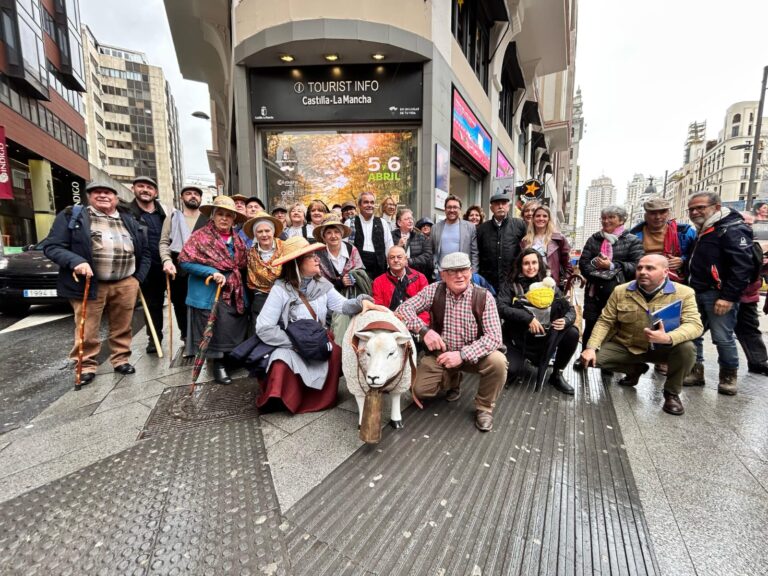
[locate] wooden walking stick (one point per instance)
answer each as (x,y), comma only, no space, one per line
(170,317)
(151,325)
(83,311)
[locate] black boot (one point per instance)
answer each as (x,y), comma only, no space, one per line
(560,383)
(758,368)
(220,374)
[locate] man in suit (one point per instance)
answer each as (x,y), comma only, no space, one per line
(454,234)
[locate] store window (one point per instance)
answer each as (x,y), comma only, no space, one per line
(337,165)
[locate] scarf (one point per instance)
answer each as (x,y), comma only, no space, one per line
(401,285)
(354,262)
(606,248)
(206,246)
(712,220)
(179,231)
(261,274)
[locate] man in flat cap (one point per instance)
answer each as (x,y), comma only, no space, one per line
(464,335)
(176,231)
(106,244)
(498,241)
(280,211)
(253,206)
(151,214)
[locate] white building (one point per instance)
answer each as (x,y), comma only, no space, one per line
(600,193)
(131,117)
(572,195)
(640,189)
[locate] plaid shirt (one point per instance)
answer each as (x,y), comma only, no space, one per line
(459,325)
(112,245)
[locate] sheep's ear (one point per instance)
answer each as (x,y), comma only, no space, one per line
(401,338)
(364,335)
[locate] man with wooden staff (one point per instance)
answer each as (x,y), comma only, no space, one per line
(106,244)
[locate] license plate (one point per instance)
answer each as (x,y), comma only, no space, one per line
(40,293)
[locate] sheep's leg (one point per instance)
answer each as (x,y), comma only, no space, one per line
(360,402)
(395,419)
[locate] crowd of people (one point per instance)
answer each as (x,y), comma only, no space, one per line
(480,295)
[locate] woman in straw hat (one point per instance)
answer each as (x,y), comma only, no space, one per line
(217,250)
(263,230)
(298,384)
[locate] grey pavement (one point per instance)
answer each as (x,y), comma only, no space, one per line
(702,478)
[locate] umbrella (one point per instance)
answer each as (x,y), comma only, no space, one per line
(206,339)
(81,334)
(170,318)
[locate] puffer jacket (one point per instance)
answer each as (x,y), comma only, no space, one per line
(627,251)
(421,251)
(625,317)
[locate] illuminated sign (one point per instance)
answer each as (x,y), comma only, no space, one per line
(503,168)
(469,134)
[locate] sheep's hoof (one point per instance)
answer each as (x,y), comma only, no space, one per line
(396,424)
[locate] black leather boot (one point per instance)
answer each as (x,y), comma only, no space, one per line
(220,374)
(560,383)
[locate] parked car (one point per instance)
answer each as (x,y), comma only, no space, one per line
(27,278)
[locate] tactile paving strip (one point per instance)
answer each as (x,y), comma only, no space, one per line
(175,412)
(548,491)
(198,502)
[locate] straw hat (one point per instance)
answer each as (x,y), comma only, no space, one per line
(250,224)
(295,247)
(225,203)
(239,197)
(331,221)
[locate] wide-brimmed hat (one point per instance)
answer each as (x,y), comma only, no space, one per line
(331,221)
(250,224)
(225,203)
(146,179)
(295,247)
(653,204)
(455,261)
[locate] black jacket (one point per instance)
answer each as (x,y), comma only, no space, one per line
(498,247)
(421,251)
(69,244)
(517,318)
(626,253)
(724,252)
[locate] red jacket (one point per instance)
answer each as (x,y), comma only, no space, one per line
(384,288)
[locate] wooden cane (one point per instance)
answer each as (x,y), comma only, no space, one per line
(170,318)
(151,325)
(370,424)
(83,312)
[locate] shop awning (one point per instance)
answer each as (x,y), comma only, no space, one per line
(511,67)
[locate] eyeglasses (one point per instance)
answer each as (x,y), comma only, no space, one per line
(462,272)
(699,208)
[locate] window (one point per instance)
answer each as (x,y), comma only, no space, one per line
(471,27)
(746,157)
(736,119)
(735,131)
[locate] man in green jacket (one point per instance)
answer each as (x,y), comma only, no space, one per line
(624,338)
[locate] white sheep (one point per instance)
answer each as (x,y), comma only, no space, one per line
(376,353)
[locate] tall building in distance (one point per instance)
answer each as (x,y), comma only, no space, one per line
(600,193)
(131,117)
(640,189)
(43,152)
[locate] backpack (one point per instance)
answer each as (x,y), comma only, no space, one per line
(437,312)
(757,254)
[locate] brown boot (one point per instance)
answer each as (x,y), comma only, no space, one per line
(696,377)
(727,383)
(672,404)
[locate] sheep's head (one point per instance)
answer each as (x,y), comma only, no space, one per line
(380,355)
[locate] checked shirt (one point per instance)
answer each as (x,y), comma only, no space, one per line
(112,246)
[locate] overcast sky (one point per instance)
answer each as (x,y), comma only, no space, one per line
(143,26)
(647,69)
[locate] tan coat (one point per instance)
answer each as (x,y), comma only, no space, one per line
(625,316)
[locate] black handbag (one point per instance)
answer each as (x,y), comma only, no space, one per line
(310,338)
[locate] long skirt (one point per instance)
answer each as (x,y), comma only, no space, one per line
(229,330)
(282,389)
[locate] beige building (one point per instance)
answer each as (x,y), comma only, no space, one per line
(131,117)
(406,98)
(600,193)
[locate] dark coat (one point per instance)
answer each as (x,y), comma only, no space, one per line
(600,283)
(421,251)
(69,244)
(499,247)
(724,249)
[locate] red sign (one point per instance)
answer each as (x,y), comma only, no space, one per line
(6,186)
(469,134)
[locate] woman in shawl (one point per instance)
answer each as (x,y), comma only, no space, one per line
(340,258)
(298,384)
(608,259)
(553,246)
(538,320)
(267,247)
(217,250)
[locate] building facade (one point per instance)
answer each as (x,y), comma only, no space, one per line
(572,196)
(600,193)
(43,151)
(131,117)
(408,99)
(640,189)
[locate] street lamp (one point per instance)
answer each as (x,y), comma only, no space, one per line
(200,114)
(758,126)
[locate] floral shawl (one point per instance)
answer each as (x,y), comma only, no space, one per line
(262,275)
(206,246)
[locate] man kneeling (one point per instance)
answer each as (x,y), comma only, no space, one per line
(627,316)
(464,336)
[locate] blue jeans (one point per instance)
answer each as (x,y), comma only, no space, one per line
(722,330)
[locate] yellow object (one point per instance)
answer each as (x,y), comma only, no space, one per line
(541,297)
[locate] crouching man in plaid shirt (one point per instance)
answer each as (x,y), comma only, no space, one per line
(456,340)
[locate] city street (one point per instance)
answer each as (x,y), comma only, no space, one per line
(604,482)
